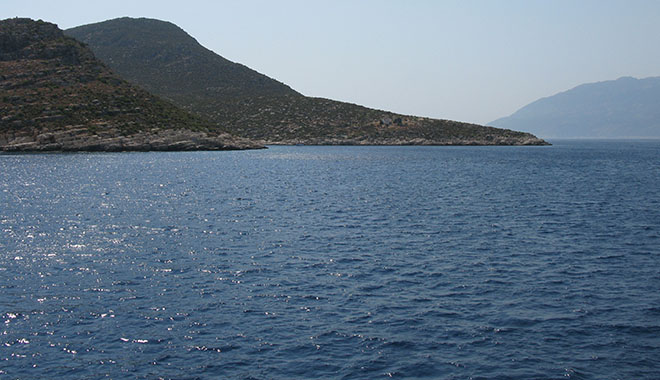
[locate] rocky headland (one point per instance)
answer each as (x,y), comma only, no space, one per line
(162,58)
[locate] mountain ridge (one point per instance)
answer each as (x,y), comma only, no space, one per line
(164,59)
(623,108)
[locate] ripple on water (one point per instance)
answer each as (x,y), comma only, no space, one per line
(332,262)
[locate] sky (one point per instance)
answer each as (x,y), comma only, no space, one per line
(466,60)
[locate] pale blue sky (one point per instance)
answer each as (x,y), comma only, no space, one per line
(465,60)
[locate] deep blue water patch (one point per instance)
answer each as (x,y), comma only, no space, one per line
(333,262)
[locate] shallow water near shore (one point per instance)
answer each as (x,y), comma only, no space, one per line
(333,262)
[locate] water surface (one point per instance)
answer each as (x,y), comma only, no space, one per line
(333,262)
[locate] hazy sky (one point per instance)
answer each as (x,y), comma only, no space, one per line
(464,60)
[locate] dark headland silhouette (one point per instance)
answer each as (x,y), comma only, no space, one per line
(162,58)
(56,96)
(622,108)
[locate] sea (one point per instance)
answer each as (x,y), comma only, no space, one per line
(333,262)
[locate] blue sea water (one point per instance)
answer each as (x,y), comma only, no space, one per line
(333,263)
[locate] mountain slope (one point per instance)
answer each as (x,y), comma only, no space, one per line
(57,96)
(626,107)
(165,60)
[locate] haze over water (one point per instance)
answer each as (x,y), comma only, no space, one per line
(333,262)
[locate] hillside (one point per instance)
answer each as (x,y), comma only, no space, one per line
(56,96)
(626,107)
(165,60)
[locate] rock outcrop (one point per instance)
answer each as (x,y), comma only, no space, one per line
(56,96)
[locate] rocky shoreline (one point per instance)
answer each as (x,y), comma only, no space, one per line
(499,141)
(79,138)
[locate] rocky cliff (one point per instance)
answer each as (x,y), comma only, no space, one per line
(56,96)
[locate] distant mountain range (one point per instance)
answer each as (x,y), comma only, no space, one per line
(165,60)
(56,96)
(626,107)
